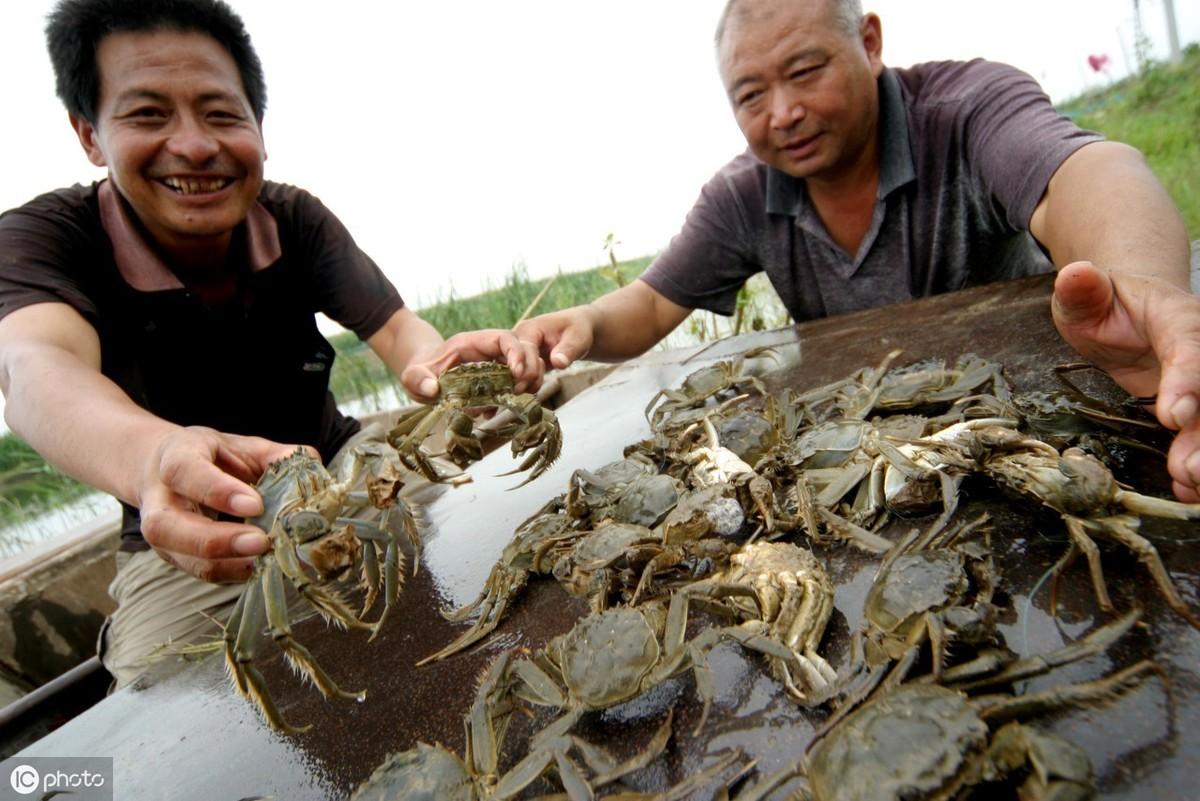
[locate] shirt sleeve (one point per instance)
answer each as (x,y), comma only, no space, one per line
(1014,138)
(711,257)
(348,285)
(43,253)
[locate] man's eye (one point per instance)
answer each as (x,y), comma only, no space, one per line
(747,98)
(804,72)
(147,112)
(223,117)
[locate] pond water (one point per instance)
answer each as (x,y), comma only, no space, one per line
(91,508)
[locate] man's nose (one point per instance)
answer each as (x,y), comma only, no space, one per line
(191,140)
(787,108)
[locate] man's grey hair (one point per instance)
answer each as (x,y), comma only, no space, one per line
(847,15)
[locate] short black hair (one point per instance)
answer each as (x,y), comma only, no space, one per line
(75,27)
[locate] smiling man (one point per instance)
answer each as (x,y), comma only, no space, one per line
(865,185)
(157,330)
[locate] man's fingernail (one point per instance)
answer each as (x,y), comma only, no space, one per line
(1183,411)
(245,505)
(429,387)
(250,544)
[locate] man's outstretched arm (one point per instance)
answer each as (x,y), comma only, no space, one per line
(57,400)
(619,325)
(1122,297)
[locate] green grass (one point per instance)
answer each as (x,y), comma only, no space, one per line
(1158,112)
(29,486)
(359,372)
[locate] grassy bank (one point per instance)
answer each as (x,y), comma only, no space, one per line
(1158,112)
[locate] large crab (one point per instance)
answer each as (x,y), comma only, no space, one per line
(301,503)
(934,589)
(1075,484)
(535,429)
(613,656)
(782,594)
(927,741)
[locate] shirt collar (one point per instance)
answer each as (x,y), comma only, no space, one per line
(786,195)
(144,270)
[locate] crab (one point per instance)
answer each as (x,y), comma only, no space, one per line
(610,657)
(589,492)
(301,502)
(928,741)
(697,387)
(520,558)
(435,772)
(781,593)
(936,588)
(606,658)
(929,383)
(605,563)
(467,386)
(713,464)
(1074,483)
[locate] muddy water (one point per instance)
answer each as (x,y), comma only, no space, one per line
(180,734)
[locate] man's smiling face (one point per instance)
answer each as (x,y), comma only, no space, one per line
(177,133)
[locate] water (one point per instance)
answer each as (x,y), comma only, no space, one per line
(18,537)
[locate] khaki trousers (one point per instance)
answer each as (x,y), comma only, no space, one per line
(160,607)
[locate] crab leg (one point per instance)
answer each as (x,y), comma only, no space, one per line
(999,709)
(248,617)
(297,655)
(501,587)
(1094,643)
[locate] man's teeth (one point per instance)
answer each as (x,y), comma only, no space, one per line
(193,186)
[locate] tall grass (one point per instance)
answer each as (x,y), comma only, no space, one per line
(1158,112)
(28,486)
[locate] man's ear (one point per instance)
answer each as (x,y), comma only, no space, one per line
(86,132)
(872,38)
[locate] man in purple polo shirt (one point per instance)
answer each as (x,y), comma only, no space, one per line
(864,185)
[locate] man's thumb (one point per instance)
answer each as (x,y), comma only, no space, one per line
(1083,294)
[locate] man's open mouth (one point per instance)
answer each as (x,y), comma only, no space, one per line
(196,186)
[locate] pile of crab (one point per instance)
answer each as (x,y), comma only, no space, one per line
(323,527)
(730,505)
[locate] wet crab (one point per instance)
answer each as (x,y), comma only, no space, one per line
(931,382)
(520,558)
(782,593)
(1075,484)
(301,502)
(433,772)
(926,741)
(535,431)
(699,386)
(936,588)
(605,659)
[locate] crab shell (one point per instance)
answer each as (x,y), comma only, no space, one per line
(476,383)
(916,583)
(919,741)
(606,657)
(424,773)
